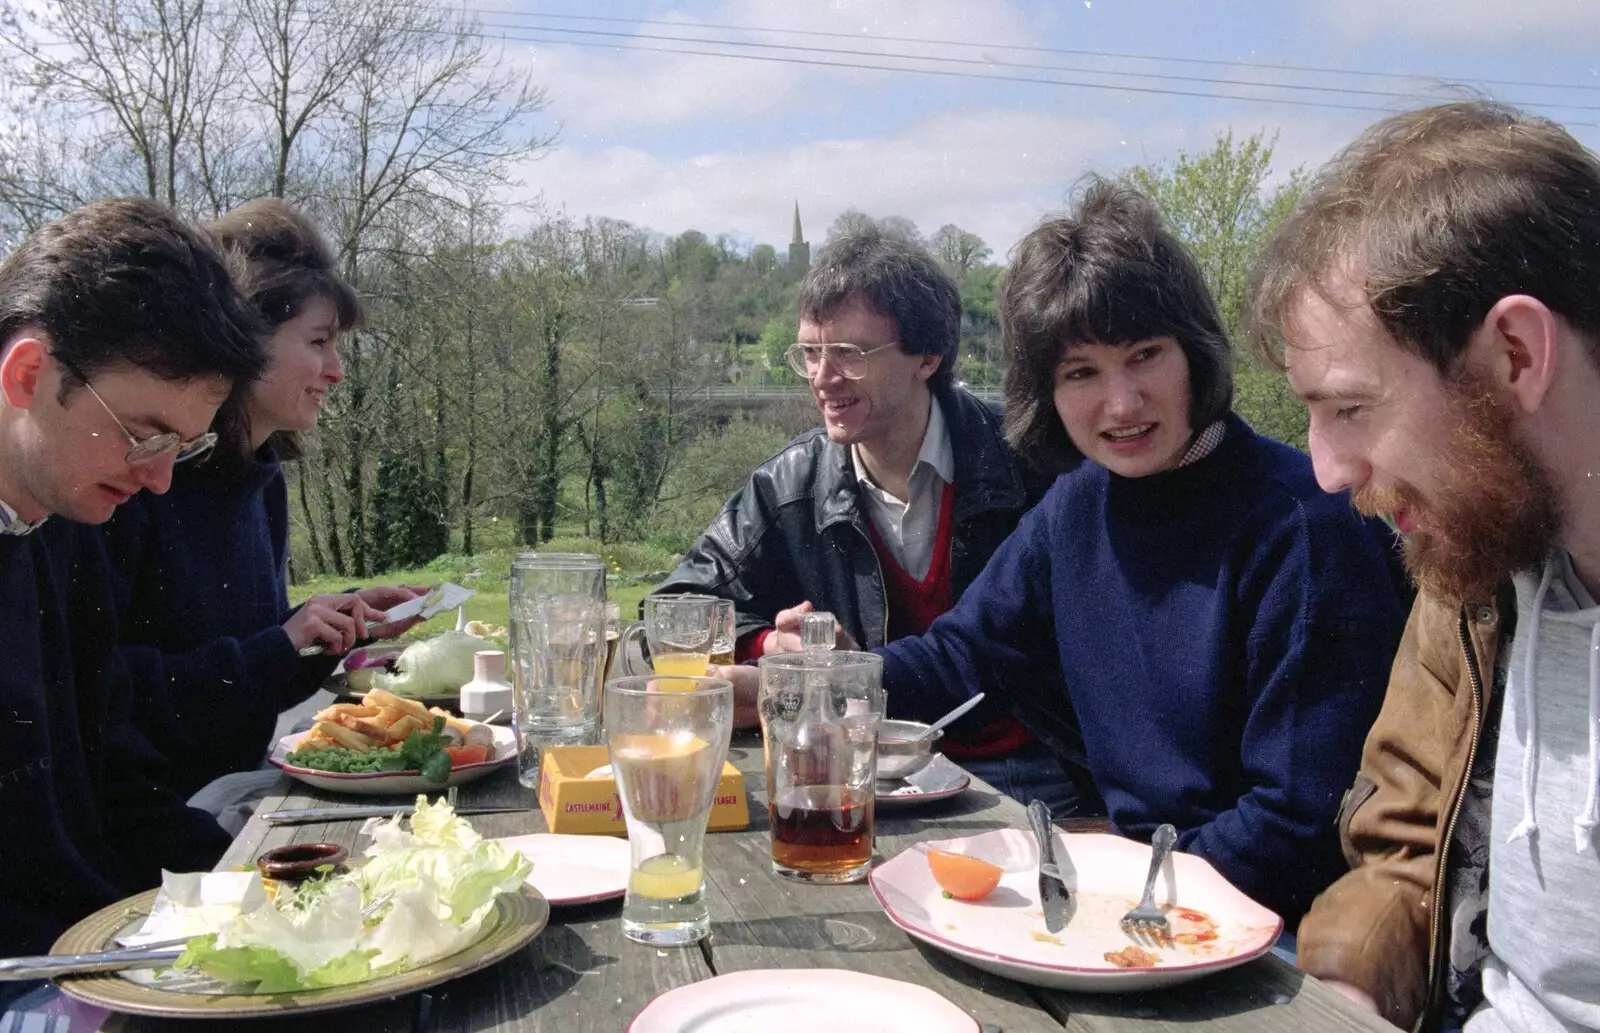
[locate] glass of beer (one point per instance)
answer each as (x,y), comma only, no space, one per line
(722,645)
(819,723)
(682,631)
(667,751)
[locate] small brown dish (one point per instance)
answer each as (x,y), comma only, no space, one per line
(301,861)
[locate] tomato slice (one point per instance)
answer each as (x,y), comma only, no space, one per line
(477,753)
(963,877)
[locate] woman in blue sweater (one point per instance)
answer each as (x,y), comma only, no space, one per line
(207,630)
(1221,629)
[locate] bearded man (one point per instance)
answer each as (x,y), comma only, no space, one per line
(1435,299)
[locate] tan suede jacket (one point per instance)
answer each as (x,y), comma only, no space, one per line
(1380,927)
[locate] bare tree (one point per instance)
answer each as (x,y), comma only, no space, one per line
(140,78)
(430,115)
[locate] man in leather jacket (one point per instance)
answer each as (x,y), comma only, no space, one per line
(1437,297)
(885,514)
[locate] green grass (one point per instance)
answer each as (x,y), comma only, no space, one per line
(632,569)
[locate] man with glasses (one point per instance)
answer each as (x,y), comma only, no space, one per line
(885,514)
(121,331)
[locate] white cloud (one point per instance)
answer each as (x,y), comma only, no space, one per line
(993,172)
(1569,23)
(604,91)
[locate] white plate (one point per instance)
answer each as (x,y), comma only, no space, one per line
(571,870)
(940,780)
(800,1001)
(383,783)
(1005,933)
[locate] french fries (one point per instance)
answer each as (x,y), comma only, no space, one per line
(383,720)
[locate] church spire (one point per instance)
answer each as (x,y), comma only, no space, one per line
(799,250)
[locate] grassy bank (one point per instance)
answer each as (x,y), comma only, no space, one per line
(632,569)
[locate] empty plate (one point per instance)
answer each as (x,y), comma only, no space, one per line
(800,1001)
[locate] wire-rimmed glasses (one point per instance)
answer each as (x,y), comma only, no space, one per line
(849,359)
(149,449)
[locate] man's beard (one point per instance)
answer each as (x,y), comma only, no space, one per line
(1495,511)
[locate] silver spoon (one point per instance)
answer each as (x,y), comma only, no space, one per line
(953,715)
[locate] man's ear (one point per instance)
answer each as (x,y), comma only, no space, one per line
(21,371)
(1518,345)
(929,366)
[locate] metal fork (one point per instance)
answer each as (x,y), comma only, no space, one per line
(1146,917)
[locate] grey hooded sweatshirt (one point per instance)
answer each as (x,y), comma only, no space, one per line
(1543,969)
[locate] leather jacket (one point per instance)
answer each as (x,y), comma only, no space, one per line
(1383,926)
(796,530)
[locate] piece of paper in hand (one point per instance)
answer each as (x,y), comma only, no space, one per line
(437,599)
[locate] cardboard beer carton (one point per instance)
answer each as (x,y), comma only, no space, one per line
(572,803)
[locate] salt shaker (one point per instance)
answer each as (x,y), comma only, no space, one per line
(488,692)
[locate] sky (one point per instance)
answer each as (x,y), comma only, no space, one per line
(1043,93)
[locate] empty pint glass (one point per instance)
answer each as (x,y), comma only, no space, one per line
(819,723)
(667,751)
(558,645)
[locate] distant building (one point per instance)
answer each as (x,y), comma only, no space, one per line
(799,249)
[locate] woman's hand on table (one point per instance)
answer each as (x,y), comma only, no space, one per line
(746,687)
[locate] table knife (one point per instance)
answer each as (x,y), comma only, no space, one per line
(1053,895)
(310,815)
(49,966)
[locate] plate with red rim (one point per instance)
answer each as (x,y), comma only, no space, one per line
(385,783)
(1215,926)
(800,1001)
(569,871)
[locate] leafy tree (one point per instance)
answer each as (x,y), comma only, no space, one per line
(1219,204)
(959,250)
(408,513)
(781,332)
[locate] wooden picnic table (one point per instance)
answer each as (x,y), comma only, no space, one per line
(580,974)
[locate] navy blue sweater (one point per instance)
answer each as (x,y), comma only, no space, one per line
(86,819)
(202,579)
(1223,633)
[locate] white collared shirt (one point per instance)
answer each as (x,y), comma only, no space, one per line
(909,526)
(10,523)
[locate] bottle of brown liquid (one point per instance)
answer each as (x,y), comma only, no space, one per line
(818,746)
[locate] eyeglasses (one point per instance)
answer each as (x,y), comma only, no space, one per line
(156,445)
(848,359)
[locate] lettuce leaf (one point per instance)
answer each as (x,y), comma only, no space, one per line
(271,972)
(439,879)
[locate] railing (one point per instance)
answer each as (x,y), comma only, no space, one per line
(763,393)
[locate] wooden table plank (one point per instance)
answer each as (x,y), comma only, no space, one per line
(1266,996)
(761,920)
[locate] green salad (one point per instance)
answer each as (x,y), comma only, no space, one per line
(422,752)
(438,882)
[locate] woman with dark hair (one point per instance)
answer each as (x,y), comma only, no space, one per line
(206,626)
(1220,628)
